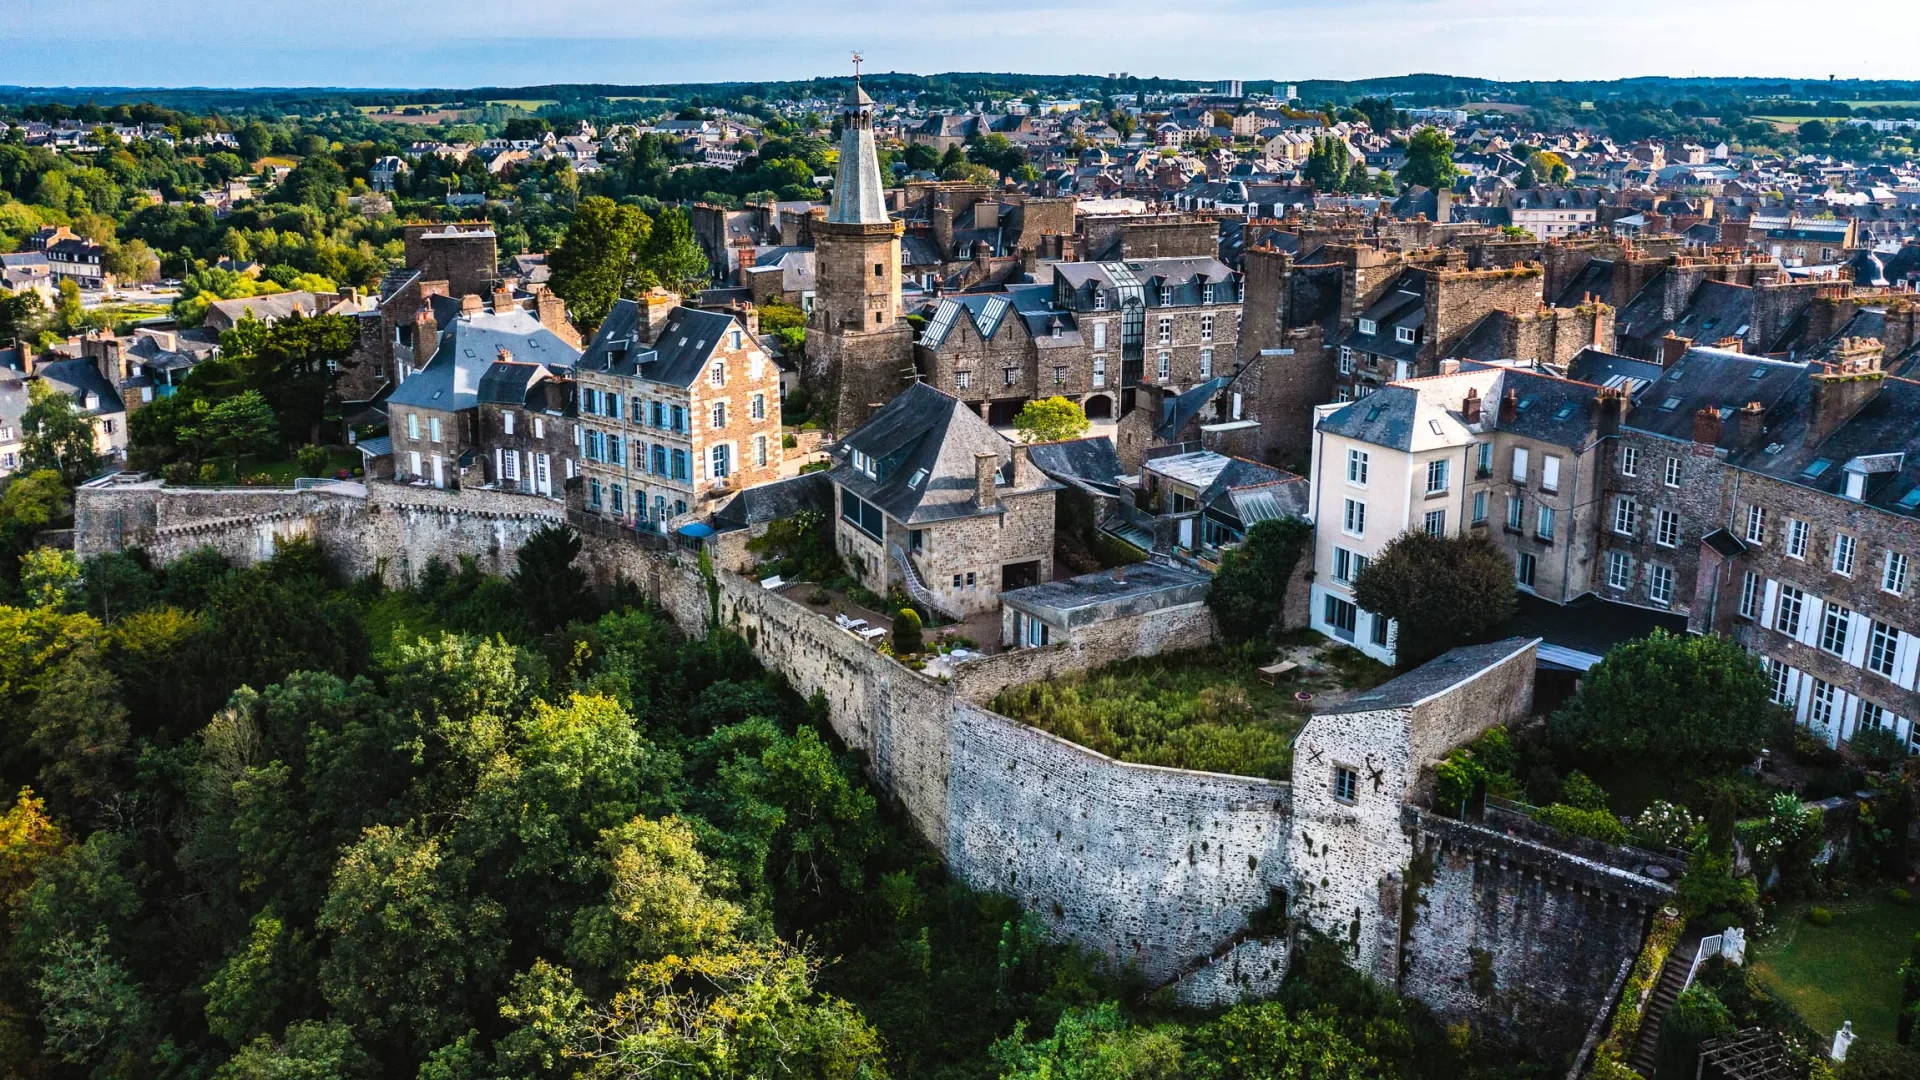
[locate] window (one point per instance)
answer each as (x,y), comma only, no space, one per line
(759,406)
(1164,366)
(1346,360)
(735,338)
(1519,464)
(1206,327)
(1833,629)
(1786,618)
(1660,584)
(1882,646)
(1436,523)
(1797,531)
(717,375)
(1099,335)
(1485,460)
(1369,327)
(1629,461)
(1346,783)
(1099,300)
(510,465)
(1479,507)
(1357,467)
(1550,474)
(1356,518)
(1672,477)
(722,461)
(1820,706)
(613,405)
(1382,626)
(1166,331)
(1099,371)
(1626,516)
(1523,570)
(1347,564)
(593,493)
(1666,529)
(1206,363)
(413,425)
(1437,476)
(1874,717)
(659,414)
(619,506)
(1516,509)
(1750,595)
(1341,617)
(1780,676)
(1619,570)
(1059,376)
(433,425)
(1893,573)
(506,422)
(539,428)
(659,461)
(1756,524)
(1843,551)
(760,450)
(719,414)
(962,380)
(616,452)
(1544,527)
(1403,334)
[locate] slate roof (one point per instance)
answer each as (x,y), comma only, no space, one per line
(923,443)
(76,378)
(1602,368)
(1139,589)
(1715,378)
(1881,442)
(1717,309)
(1212,475)
(269,308)
(1442,673)
(858,194)
(678,355)
(1594,279)
(1549,409)
(468,347)
(771,502)
(506,383)
(1404,304)
(1416,415)
(1090,462)
(1177,411)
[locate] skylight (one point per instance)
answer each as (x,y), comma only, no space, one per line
(1758,372)
(1818,466)
(919,477)
(1911,499)
(1564,411)
(1670,404)
(1525,404)
(1374,413)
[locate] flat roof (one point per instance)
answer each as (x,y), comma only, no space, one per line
(1110,594)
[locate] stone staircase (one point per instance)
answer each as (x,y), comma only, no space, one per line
(917,587)
(1673,979)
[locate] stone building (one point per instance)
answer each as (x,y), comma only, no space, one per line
(932,499)
(433,417)
(860,350)
(1173,322)
(525,422)
(997,351)
(678,407)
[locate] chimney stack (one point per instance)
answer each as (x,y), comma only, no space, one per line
(553,314)
(986,473)
(1510,407)
(1749,425)
(1470,408)
(1838,391)
(471,304)
(1672,348)
(655,307)
(1707,426)
(503,300)
(426,337)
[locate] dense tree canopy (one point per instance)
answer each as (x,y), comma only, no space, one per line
(1442,591)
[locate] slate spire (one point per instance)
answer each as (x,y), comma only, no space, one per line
(857,198)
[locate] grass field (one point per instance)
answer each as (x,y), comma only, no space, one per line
(529,104)
(1846,971)
(1205,710)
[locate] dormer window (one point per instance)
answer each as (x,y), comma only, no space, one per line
(1099,300)
(1206,294)
(1403,334)
(1369,327)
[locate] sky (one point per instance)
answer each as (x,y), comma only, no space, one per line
(468,43)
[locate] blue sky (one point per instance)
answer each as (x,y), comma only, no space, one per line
(460,43)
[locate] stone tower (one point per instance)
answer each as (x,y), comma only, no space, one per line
(858,348)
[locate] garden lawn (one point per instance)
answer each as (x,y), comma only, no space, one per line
(1847,971)
(1205,710)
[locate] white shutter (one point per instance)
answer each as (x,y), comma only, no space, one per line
(1550,473)
(1803,697)
(1520,464)
(1906,657)
(1845,705)
(1816,610)
(498,473)
(1771,602)
(1858,635)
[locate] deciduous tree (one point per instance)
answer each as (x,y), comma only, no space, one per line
(1050,419)
(1443,591)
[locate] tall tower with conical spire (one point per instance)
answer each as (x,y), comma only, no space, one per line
(858,344)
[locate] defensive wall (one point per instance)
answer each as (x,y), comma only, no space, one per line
(1154,867)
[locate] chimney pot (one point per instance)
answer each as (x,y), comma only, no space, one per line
(1707,426)
(471,304)
(1470,408)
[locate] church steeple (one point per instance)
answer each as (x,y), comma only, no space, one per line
(857,190)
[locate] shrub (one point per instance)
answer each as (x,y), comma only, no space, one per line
(1251,586)
(1880,747)
(1579,790)
(818,597)
(1443,591)
(1900,896)
(789,442)
(1583,821)
(1662,824)
(1819,916)
(209,473)
(1710,892)
(312,460)
(180,472)
(906,632)
(1694,1017)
